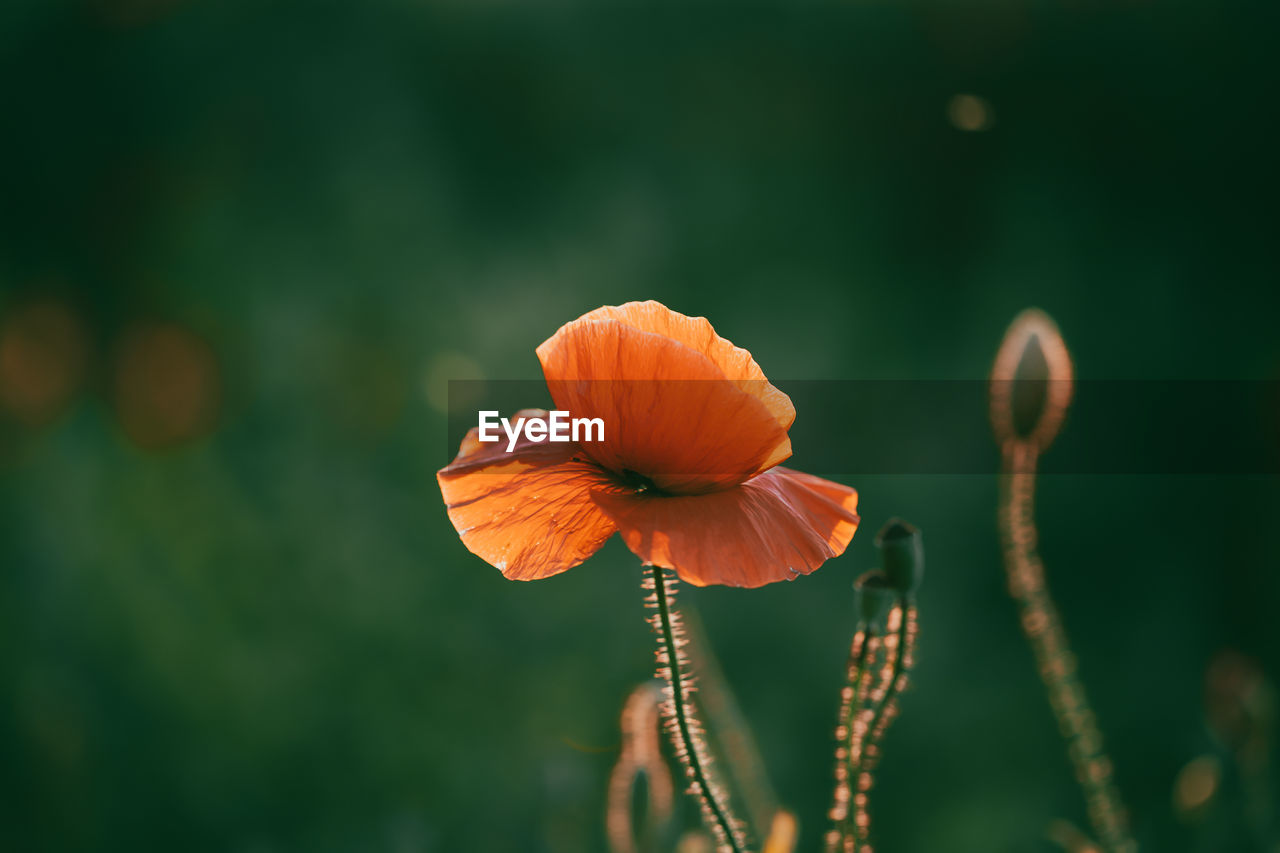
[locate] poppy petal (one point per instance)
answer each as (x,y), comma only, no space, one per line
(680,405)
(528,512)
(694,332)
(776,526)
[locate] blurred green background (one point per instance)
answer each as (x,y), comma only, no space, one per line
(244,245)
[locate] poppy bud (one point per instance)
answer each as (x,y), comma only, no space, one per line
(1031,381)
(873,598)
(901,554)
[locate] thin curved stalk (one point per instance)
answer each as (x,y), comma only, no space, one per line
(889,684)
(640,756)
(863,652)
(901,653)
(682,721)
(1043,629)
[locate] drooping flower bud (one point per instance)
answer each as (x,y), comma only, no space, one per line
(901,555)
(1031,381)
(873,598)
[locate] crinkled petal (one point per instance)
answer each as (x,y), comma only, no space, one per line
(776,526)
(681,406)
(528,512)
(735,363)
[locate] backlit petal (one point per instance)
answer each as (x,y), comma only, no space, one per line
(694,332)
(681,405)
(528,512)
(776,526)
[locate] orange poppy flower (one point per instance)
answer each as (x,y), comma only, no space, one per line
(687,470)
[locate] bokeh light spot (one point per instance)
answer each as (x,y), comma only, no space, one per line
(1196,784)
(167,387)
(969,112)
(42,360)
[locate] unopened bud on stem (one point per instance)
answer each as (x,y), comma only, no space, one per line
(901,555)
(873,598)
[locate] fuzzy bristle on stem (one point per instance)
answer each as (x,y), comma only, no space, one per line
(877,675)
(1032,382)
(864,661)
(1043,629)
(900,653)
(678,711)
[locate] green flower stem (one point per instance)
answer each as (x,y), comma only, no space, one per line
(682,722)
(857,674)
(1043,629)
(899,663)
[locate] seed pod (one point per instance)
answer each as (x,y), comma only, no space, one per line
(873,598)
(901,555)
(1031,381)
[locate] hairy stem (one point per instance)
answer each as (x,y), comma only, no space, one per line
(892,681)
(1048,640)
(862,653)
(683,724)
(900,656)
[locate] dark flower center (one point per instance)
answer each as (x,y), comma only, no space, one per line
(639,482)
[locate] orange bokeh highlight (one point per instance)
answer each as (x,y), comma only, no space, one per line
(166,386)
(42,361)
